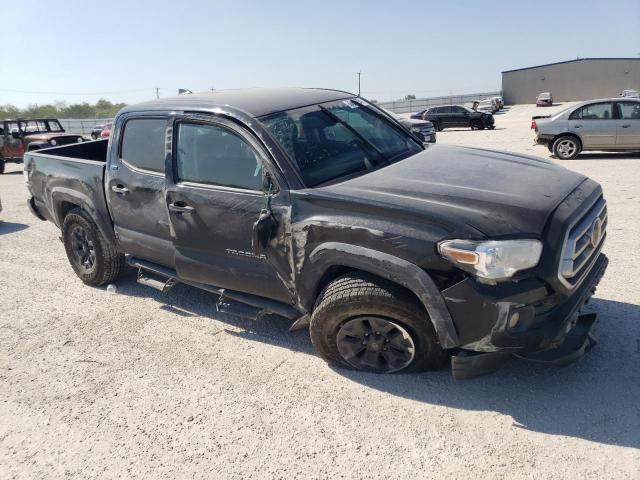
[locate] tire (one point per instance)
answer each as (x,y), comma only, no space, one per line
(2,163)
(357,303)
(94,260)
(437,125)
(566,147)
(476,125)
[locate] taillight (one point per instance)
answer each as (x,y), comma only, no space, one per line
(534,125)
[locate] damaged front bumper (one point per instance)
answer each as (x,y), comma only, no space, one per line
(523,319)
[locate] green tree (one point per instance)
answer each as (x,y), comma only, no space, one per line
(410,97)
(9,111)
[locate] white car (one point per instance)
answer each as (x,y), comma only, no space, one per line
(630,94)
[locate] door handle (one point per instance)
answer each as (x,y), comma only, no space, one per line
(181,207)
(625,126)
(121,189)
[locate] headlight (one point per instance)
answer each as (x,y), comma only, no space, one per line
(492,260)
(53,142)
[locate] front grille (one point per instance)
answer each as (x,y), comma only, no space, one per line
(583,242)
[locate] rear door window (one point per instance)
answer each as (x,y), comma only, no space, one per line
(629,110)
(215,155)
(594,111)
(143,142)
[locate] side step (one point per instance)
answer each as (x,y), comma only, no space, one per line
(153,280)
(164,279)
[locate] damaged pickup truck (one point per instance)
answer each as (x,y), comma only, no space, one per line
(317,206)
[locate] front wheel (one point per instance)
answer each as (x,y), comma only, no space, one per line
(566,147)
(93,259)
(437,126)
(477,125)
(363,322)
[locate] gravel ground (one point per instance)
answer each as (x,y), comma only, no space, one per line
(143,385)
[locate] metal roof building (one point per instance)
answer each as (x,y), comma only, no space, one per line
(573,80)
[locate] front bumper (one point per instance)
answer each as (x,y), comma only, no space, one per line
(522,318)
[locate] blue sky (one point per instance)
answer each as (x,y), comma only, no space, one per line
(121,50)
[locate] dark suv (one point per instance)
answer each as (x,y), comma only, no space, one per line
(448,116)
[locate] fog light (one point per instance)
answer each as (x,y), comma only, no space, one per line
(514,319)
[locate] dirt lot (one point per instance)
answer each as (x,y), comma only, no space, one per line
(141,385)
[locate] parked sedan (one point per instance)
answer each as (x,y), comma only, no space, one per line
(95,132)
(448,116)
(544,99)
(630,94)
(610,124)
(488,105)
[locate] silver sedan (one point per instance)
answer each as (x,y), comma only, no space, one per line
(609,124)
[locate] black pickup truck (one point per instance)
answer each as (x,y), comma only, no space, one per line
(317,206)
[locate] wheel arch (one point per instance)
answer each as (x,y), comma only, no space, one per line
(331,260)
(566,134)
(64,200)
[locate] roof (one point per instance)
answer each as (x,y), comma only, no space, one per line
(569,61)
(255,101)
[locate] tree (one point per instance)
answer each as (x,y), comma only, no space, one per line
(102,109)
(410,97)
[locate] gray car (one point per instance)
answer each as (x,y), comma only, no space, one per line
(611,124)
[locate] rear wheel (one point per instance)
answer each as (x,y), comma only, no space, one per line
(93,259)
(363,322)
(2,163)
(566,147)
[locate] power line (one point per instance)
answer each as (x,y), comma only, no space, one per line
(72,93)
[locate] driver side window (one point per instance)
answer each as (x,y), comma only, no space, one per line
(215,155)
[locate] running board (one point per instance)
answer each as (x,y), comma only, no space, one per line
(155,281)
(170,277)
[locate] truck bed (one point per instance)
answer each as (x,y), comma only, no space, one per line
(62,178)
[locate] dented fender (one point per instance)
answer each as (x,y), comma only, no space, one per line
(387,266)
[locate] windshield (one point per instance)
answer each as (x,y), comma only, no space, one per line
(337,139)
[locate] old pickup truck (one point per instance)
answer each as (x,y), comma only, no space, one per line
(317,206)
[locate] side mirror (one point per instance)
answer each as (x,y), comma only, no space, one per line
(261,232)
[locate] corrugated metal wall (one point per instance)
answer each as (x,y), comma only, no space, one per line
(583,79)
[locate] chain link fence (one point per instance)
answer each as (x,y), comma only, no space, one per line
(410,106)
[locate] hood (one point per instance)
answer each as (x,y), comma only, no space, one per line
(499,194)
(414,122)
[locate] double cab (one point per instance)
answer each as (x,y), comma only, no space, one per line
(317,206)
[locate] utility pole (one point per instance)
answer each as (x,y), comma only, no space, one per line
(157,92)
(359,73)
